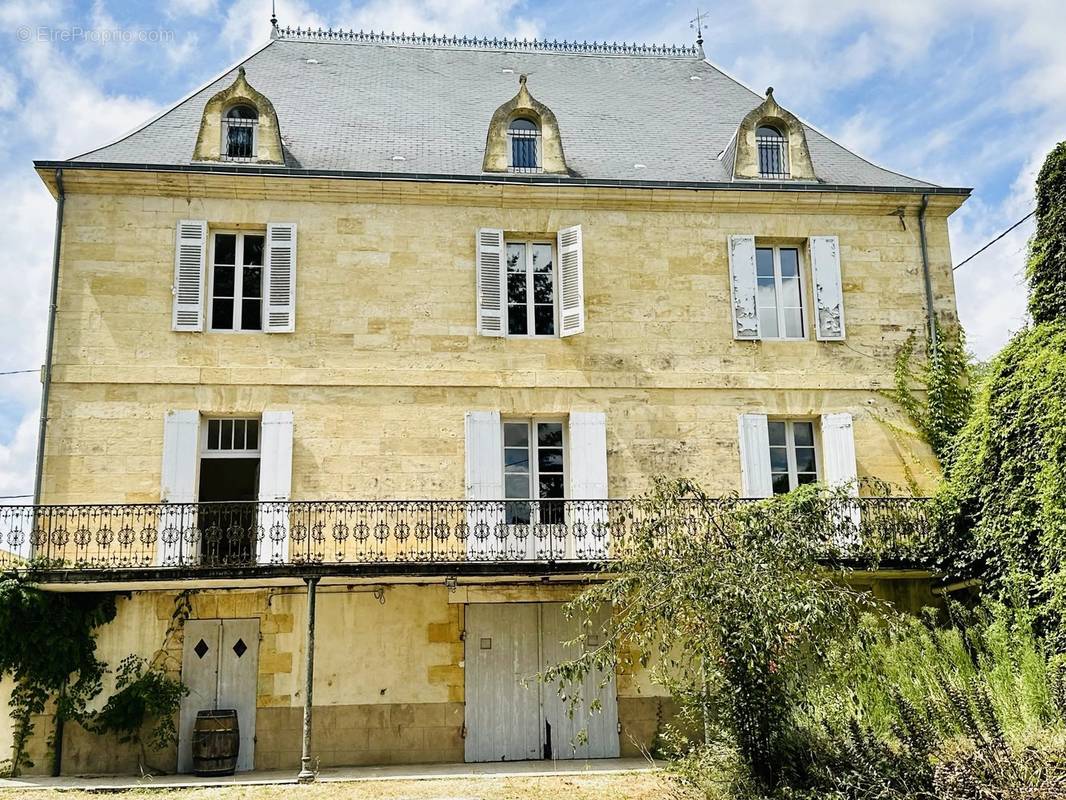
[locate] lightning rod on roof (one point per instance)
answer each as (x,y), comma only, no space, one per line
(274,32)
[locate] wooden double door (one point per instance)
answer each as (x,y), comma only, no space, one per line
(510,714)
(220,665)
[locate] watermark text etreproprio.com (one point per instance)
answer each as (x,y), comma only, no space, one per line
(42,33)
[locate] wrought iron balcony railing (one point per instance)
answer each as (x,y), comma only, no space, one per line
(243,536)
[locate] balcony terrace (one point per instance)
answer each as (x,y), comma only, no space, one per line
(287,541)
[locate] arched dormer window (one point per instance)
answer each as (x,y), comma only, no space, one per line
(239,124)
(524,145)
(773,152)
(240,132)
(523,136)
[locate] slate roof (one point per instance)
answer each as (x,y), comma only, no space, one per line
(354,102)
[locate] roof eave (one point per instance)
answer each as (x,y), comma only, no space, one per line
(45,169)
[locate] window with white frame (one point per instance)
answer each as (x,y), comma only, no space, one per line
(534,469)
(229,437)
(236,301)
(531,289)
(779,294)
(793,454)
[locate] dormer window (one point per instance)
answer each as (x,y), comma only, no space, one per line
(524,136)
(773,152)
(239,132)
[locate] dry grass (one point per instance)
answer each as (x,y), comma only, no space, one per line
(610,786)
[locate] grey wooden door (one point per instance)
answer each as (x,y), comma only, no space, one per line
(502,692)
(510,715)
(563,723)
(220,665)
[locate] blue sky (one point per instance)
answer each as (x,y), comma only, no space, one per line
(958,92)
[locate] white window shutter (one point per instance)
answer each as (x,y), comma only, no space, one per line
(838,451)
(181,461)
(484,482)
(571,282)
(491,283)
(279,278)
(190,256)
(755,476)
(828,287)
(590,535)
(743,285)
(275,486)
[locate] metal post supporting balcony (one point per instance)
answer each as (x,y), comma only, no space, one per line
(307,775)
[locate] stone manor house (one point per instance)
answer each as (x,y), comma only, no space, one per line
(391,329)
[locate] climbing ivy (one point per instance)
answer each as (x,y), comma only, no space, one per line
(1046,268)
(1001,515)
(47,644)
(936,392)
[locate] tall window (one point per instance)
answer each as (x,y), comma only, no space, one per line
(793,461)
(530,289)
(524,135)
(237,282)
(239,132)
(780,293)
(534,470)
(773,152)
(229,488)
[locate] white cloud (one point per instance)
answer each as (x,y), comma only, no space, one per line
(16,460)
(190,8)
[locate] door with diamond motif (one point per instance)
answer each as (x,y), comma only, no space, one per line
(220,665)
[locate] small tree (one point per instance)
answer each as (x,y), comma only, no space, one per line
(729,601)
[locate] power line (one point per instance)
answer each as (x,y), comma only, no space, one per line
(19,371)
(13,496)
(1012,227)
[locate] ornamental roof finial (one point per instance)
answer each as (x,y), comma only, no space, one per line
(522,80)
(769,92)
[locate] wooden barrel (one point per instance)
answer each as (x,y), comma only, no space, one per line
(216,740)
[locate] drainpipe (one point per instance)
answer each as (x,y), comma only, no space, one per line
(930,311)
(46,372)
(306,775)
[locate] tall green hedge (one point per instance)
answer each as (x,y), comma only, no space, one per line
(1047,254)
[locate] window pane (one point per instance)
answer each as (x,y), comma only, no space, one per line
(222,315)
(516,258)
(225,248)
(805,478)
(768,323)
(550,460)
(523,152)
(781,484)
(777,433)
(550,486)
(223,286)
(253,434)
(251,315)
(516,288)
(517,513)
(542,258)
(515,434)
(517,322)
(790,292)
(805,459)
(544,320)
(212,434)
(550,434)
(516,486)
(778,459)
(238,434)
(542,288)
(253,250)
(793,323)
(789,262)
(252,285)
(239,141)
(803,433)
(515,459)
(764,262)
(227,434)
